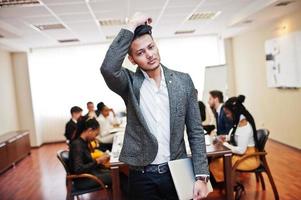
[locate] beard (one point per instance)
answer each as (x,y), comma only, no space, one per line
(150,70)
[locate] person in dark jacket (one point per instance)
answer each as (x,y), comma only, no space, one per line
(71,125)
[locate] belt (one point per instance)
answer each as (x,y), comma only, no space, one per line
(159,169)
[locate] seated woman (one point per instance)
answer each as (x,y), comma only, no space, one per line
(107,121)
(80,157)
(242,139)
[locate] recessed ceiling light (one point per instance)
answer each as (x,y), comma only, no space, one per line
(184,32)
(204,15)
(110,37)
(284,3)
(50,26)
(68,40)
(112,22)
(9,3)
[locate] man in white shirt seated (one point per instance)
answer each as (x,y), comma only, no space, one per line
(107,120)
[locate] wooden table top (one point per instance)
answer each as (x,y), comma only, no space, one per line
(215,149)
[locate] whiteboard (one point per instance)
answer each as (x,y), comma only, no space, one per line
(215,79)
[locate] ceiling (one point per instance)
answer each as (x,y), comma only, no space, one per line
(78,21)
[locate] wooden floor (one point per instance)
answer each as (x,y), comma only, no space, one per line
(41,176)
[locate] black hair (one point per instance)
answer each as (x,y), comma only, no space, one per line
(202,110)
(140,31)
(236,107)
(89,102)
(75,109)
(100,106)
(217,94)
(83,125)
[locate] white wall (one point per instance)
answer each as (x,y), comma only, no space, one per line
(275,109)
(23,96)
(8,110)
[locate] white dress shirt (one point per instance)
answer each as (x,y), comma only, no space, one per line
(243,137)
(154,104)
(106,125)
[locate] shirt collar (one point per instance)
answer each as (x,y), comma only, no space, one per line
(74,120)
(219,108)
(148,78)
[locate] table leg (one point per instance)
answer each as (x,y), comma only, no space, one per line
(115,183)
(228,176)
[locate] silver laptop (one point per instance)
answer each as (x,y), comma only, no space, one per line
(183,178)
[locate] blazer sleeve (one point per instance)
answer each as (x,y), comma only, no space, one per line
(113,73)
(195,132)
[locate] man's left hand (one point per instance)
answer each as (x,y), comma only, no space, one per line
(200,190)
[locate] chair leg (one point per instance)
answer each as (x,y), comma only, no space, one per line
(262,181)
(256,176)
(270,178)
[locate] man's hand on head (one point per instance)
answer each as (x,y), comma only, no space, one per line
(138,19)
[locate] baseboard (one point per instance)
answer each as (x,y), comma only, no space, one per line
(284,144)
(45,143)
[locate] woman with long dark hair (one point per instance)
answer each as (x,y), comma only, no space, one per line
(242,139)
(81,155)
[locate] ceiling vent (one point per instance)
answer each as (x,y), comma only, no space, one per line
(203,16)
(284,3)
(50,27)
(184,32)
(110,37)
(112,22)
(10,3)
(68,40)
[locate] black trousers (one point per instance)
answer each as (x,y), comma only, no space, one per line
(151,186)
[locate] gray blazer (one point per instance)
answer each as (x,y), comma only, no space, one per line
(140,146)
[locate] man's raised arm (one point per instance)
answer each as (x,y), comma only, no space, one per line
(113,72)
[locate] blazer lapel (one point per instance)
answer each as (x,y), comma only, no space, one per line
(172,95)
(137,83)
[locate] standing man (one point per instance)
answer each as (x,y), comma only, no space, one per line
(71,125)
(91,111)
(160,102)
(223,124)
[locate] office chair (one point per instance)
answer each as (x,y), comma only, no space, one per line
(63,156)
(262,135)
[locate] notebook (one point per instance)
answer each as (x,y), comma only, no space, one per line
(183,178)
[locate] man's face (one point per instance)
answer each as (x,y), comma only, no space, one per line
(90,107)
(145,53)
(212,102)
(77,115)
(106,111)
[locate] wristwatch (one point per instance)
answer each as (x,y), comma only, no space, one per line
(202,178)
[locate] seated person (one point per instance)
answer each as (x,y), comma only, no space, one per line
(107,121)
(99,106)
(242,139)
(207,117)
(91,111)
(223,124)
(70,129)
(96,153)
(80,157)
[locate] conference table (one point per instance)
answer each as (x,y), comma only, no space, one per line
(215,149)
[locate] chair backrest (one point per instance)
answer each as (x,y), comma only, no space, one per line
(262,136)
(63,156)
